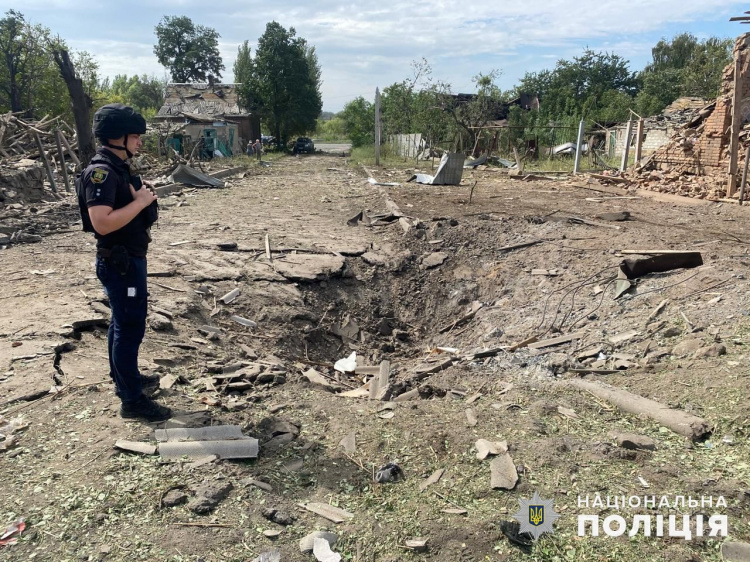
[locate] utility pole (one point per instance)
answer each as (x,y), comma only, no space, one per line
(377,126)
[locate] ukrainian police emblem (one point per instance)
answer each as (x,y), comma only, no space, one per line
(536,516)
(99,175)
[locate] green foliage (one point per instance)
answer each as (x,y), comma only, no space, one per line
(145,93)
(281,83)
(189,51)
(26,62)
(330,130)
(597,85)
(359,121)
(683,66)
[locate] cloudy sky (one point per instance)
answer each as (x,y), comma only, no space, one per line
(362,45)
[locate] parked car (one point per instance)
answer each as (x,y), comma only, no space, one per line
(267,139)
(304,144)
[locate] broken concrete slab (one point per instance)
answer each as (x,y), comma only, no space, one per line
(318,380)
(135,447)
(687,347)
(485,448)
(159,322)
(434,478)
(173,498)
(221,432)
(433,260)
(503,474)
(231,449)
(349,443)
(471,417)
(633,441)
(306,543)
(309,267)
(329,512)
(734,551)
(208,495)
(713,350)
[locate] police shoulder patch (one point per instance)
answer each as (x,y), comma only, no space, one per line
(99,175)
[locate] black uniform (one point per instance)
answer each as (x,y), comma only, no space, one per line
(107,180)
(121,268)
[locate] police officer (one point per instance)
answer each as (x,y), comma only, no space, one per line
(122,209)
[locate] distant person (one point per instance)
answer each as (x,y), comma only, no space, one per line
(250,150)
(258,147)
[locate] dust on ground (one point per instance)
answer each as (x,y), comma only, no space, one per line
(84,500)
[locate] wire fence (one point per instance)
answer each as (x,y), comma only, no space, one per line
(550,148)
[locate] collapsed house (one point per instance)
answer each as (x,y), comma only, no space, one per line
(658,130)
(207,118)
(702,157)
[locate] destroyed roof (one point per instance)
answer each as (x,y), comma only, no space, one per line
(196,100)
(685,103)
(682,112)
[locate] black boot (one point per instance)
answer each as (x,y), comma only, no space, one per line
(146,409)
(150,382)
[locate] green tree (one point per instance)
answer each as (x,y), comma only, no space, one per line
(359,121)
(682,66)
(26,62)
(283,84)
(585,86)
(189,51)
(145,93)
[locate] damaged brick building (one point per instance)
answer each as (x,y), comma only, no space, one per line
(701,160)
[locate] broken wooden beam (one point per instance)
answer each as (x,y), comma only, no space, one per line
(556,341)
(633,268)
(690,426)
(47,166)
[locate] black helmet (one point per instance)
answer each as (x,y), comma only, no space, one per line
(115,120)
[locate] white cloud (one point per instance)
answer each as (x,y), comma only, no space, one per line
(364,44)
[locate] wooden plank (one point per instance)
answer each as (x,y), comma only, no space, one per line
(556,341)
(654,252)
(47,166)
(328,511)
(517,246)
(744,175)
(379,384)
(614,179)
(71,152)
(734,134)
(678,421)
(639,141)
(61,158)
(268,248)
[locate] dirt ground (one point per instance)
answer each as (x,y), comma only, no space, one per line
(85,500)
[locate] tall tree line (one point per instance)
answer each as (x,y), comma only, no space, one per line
(31,83)
(598,86)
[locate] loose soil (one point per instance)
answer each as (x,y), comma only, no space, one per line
(84,500)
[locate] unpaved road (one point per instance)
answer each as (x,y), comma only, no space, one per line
(83,500)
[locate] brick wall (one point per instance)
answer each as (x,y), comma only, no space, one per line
(706,151)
